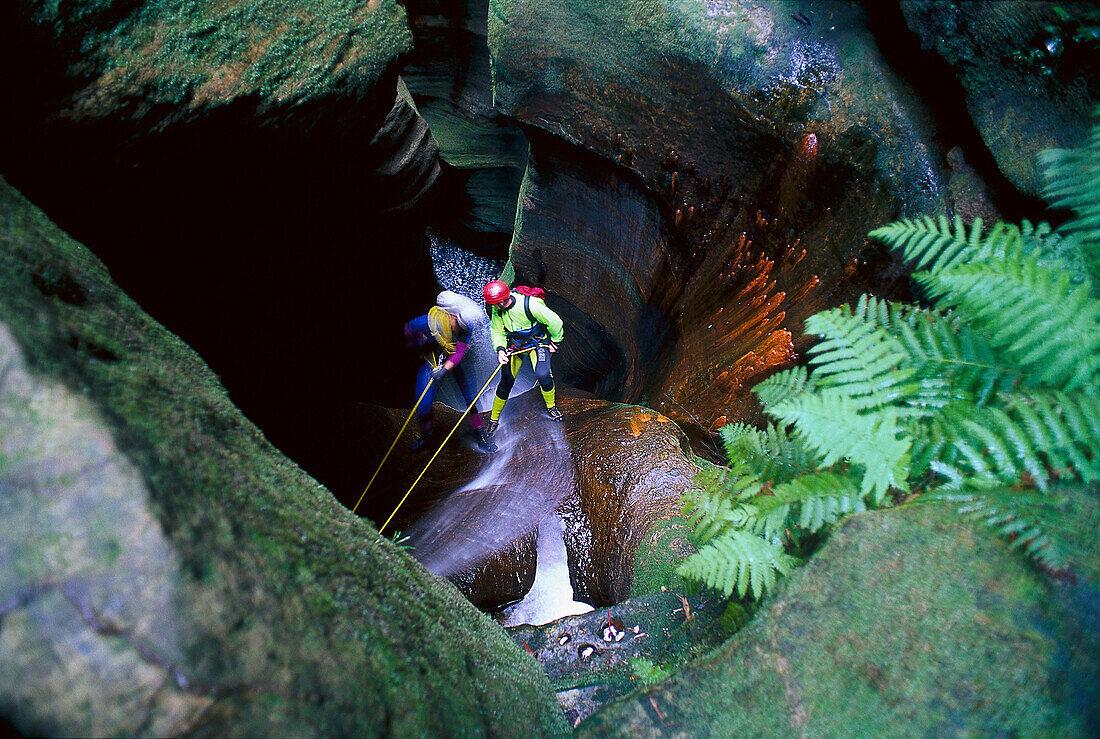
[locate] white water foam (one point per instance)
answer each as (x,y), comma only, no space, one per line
(551,596)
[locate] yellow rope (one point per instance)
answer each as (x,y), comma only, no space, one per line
(437,451)
(384,458)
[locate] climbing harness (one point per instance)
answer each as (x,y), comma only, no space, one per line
(445,440)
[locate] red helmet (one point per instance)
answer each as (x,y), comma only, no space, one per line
(496,292)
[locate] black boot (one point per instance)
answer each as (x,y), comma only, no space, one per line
(554,413)
(485,442)
(491,428)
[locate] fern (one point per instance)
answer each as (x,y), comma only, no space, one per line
(738,562)
(858,360)
(832,426)
(986,398)
(950,361)
(783,385)
(818,499)
(1031,313)
(1072,180)
(713,509)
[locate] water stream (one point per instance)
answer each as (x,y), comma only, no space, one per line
(551,596)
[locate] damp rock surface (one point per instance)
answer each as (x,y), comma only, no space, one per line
(1027,72)
(702,178)
(171,572)
(595,658)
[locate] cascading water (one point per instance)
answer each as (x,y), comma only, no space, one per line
(523,483)
(520,487)
(551,596)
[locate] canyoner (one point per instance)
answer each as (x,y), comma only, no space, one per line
(518,327)
(443,336)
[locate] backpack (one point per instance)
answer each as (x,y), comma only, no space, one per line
(534,292)
(528,293)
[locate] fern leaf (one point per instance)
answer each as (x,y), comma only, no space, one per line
(783,385)
(832,426)
(858,359)
(951,361)
(713,509)
(770,455)
(820,499)
(1072,180)
(1024,436)
(1021,517)
(738,562)
(1030,313)
(927,243)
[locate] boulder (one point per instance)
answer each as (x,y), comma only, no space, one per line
(702,177)
(1027,71)
(907,621)
(170,572)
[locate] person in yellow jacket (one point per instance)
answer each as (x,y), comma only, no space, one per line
(518,322)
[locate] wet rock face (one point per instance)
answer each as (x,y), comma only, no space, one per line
(1029,79)
(935,626)
(632,468)
(448,74)
(739,155)
(168,571)
(504,578)
(614,473)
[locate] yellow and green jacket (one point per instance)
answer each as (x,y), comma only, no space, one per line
(512,328)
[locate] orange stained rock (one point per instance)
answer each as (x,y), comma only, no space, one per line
(808,148)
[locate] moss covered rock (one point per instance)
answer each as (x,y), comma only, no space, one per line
(907,622)
(1028,71)
(172,573)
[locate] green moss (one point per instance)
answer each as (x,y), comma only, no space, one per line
(906,621)
(187,51)
(659,554)
(280,589)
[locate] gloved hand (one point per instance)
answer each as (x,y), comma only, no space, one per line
(438,371)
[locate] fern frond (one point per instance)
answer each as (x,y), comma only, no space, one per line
(1021,517)
(832,426)
(1072,180)
(951,361)
(1060,251)
(819,498)
(857,359)
(928,243)
(783,385)
(1025,436)
(713,509)
(771,455)
(1029,312)
(738,562)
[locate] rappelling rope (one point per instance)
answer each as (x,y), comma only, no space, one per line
(386,456)
(437,451)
